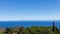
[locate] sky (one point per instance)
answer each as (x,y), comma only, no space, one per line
(29,10)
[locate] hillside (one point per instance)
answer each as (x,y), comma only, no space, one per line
(30,30)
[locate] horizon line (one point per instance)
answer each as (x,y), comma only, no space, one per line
(29,20)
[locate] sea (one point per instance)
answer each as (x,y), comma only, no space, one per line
(29,23)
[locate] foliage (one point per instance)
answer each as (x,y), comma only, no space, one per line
(31,30)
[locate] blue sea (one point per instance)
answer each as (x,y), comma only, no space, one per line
(28,23)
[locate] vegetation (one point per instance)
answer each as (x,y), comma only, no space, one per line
(30,30)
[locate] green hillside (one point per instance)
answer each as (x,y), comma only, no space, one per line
(31,30)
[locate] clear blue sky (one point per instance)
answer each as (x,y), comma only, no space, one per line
(29,10)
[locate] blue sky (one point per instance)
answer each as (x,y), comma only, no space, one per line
(29,10)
